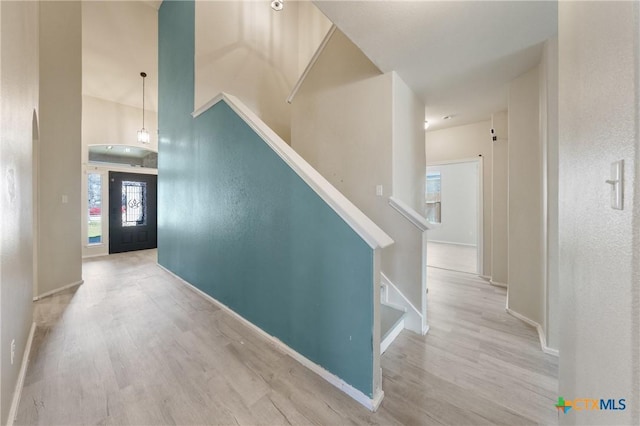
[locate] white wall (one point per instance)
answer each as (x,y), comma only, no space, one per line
(526,279)
(526,258)
(459,186)
(408,186)
(549,139)
(312,28)
(120,40)
(59,254)
(109,123)
(499,209)
(468,141)
(248,50)
(331,128)
(18,101)
(342,124)
(408,145)
(599,247)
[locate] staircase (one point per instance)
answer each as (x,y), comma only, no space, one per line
(391,324)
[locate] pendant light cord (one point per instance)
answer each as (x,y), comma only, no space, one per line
(143,74)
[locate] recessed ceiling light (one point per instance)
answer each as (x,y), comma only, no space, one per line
(426,124)
(109,146)
(277,5)
(447,117)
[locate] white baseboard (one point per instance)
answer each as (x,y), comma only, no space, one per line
(413,319)
(376,400)
(551,351)
(485,277)
(369,403)
(89,256)
(394,306)
(475,274)
(17,393)
(58,290)
(543,340)
(395,331)
(452,243)
(498,284)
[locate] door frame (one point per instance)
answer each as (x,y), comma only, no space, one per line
(480,199)
(151,220)
(94,250)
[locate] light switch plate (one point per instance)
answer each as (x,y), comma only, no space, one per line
(617,185)
(379,190)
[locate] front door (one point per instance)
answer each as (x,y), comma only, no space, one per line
(132,212)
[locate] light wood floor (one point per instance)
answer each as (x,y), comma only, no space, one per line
(453,257)
(134,346)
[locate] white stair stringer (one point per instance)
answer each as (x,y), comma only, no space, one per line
(392,296)
(392,324)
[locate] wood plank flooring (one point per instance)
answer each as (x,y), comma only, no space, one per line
(453,257)
(134,346)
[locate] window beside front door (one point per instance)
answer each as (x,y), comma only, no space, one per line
(94,208)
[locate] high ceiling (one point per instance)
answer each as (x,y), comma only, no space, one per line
(120,40)
(458,56)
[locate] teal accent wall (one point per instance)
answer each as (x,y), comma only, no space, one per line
(235,221)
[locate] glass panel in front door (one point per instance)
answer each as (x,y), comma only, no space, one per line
(134,203)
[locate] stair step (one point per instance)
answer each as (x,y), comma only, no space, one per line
(391,324)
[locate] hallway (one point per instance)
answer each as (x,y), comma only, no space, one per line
(453,257)
(134,346)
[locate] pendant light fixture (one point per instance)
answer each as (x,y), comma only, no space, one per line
(143,134)
(277,5)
